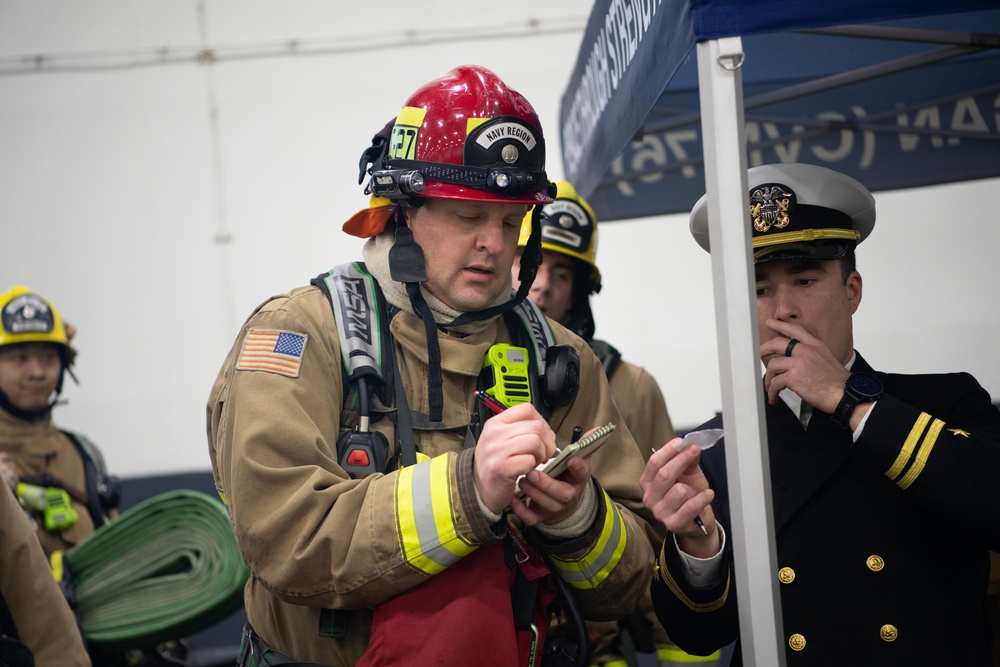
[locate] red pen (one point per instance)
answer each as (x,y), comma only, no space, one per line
(490,402)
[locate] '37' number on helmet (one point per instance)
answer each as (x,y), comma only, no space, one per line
(403,144)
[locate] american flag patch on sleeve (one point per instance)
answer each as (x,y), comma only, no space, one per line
(272,351)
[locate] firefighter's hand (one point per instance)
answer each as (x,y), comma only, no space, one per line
(8,469)
(675,490)
(511,445)
(550,500)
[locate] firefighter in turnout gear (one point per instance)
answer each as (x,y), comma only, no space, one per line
(566,279)
(370,503)
(58,476)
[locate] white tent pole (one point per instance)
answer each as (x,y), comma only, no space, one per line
(720,85)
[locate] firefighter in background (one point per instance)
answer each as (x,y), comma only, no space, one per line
(566,278)
(58,476)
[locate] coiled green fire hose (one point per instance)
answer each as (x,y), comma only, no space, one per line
(162,570)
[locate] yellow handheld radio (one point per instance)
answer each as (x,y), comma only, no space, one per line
(507,376)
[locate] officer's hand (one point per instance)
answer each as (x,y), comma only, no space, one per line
(550,500)
(675,490)
(8,469)
(512,444)
(812,371)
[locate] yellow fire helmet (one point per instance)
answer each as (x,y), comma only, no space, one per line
(569,226)
(27,317)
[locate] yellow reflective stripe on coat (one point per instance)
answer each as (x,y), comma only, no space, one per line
(56,563)
(671,655)
(425,516)
(591,569)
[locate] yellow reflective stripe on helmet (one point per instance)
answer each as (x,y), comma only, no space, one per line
(591,569)
(425,517)
(910,445)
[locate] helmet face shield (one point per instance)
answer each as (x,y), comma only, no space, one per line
(464,136)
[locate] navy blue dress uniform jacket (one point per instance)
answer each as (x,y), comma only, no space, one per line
(882,546)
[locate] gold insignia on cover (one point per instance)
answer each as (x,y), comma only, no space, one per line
(769,207)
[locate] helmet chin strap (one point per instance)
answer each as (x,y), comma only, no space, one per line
(28,415)
(407,265)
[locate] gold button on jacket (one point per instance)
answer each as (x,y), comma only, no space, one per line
(875,563)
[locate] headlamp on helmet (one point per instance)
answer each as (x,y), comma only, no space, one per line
(396,184)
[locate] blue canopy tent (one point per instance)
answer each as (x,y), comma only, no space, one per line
(897,104)
(646,129)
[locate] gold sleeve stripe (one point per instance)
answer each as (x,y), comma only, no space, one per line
(923,454)
(594,567)
(425,516)
(671,583)
(908,446)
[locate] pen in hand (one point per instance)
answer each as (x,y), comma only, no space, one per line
(493,404)
(697,519)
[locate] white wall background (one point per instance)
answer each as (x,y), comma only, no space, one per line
(156,200)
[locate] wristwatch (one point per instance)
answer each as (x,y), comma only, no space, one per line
(860,388)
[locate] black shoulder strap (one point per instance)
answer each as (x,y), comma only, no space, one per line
(608,355)
(103,490)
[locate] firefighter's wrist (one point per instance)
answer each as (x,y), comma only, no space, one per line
(491,516)
(578,522)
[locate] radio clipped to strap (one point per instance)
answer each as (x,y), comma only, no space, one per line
(556,367)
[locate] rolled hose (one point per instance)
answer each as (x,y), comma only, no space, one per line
(162,570)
